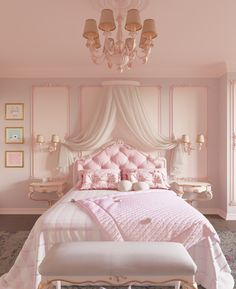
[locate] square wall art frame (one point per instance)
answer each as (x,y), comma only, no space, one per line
(14,159)
(14,111)
(14,135)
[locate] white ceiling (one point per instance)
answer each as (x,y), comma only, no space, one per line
(43,38)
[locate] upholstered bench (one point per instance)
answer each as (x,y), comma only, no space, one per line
(118,263)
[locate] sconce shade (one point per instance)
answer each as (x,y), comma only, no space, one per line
(90,29)
(39,138)
(55,138)
(133,21)
(149,29)
(107,22)
(200,138)
(185,138)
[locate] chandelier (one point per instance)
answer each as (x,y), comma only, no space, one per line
(120,52)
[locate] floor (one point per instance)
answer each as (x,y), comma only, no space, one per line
(13,223)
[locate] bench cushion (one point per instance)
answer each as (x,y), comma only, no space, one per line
(117,258)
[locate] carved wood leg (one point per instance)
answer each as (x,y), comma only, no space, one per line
(58,286)
(188,286)
(46,285)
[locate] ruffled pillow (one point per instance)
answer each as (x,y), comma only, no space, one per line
(124,186)
(140,186)
(99,179)
(156,178)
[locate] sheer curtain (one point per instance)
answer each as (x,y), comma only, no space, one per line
(127,102)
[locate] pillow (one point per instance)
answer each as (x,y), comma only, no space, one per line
(156,178)
(140,186)
(99,179)
(124,186)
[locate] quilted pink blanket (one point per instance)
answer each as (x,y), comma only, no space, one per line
(148,216)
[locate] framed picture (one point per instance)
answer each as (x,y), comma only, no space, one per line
(14,111)
(14,159)
(14,135)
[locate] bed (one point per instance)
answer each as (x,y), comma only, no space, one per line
(66,221)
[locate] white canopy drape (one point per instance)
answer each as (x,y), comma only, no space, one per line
(126,102)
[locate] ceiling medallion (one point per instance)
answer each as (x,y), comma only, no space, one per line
(120,51)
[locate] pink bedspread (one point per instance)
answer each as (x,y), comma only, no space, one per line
(144,216)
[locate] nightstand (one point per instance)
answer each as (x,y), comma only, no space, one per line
(46,188)
(192,191)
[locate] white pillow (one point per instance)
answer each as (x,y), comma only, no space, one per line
(124,186)
(140,186)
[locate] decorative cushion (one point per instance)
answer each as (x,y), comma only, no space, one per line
(140,186)
(99,179)
(156,178)
(124,186)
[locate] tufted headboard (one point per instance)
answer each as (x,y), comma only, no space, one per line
(117,156)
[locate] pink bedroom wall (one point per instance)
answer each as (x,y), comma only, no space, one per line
(50,115)
(14,182)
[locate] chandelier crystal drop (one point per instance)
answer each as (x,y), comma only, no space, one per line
(120,52)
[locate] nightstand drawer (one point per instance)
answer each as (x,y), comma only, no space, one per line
(43,189)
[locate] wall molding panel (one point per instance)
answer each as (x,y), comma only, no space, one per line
(52,103)
(188,115)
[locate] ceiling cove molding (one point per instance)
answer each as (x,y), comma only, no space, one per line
(148,71)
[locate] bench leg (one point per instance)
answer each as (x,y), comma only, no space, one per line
(58,285)
(190,286)
(177,285)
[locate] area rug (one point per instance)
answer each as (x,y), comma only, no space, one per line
(11,244)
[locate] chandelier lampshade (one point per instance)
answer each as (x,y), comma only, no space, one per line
(107,22)
(120,51)
(90,29)
(133,21)
(149,29)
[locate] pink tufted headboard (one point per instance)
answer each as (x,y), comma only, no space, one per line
(118,156)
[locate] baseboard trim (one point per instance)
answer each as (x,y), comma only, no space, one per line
(22,211)
(231,217)
(213,211)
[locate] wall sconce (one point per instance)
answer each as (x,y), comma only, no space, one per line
(50,146)
(185,140)
(200,141)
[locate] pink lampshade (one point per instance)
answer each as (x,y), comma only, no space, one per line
(149,29)
(185,138)
(107,22)
(133,21)
(39,138)
(55,138)
(200,138)
(90,29)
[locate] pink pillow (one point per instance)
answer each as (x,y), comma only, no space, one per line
(156,178)
(99,179)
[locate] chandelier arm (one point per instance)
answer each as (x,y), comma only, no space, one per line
(97,57)
(144,54)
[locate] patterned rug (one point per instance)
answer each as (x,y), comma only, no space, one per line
(11,244)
